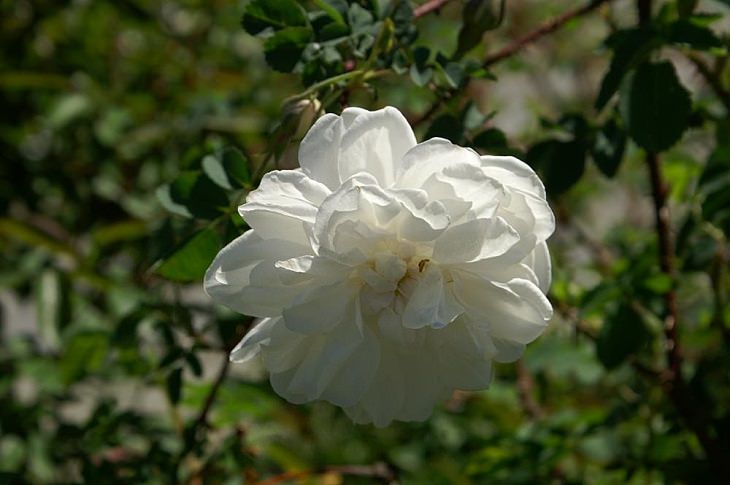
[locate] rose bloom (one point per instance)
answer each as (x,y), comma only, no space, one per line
(387,273)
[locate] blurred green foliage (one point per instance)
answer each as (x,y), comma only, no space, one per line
(132,130)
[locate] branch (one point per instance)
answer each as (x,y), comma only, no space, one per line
(525,385)
(511,49)
(545,29)
(428,7)
(676,388)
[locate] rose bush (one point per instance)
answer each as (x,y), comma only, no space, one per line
(387,273)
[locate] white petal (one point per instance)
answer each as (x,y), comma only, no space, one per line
(319,149)
(243,276)
(324,356)
(539,260)
(250,345)
(475,240)
(319,310)
(462,359)
(513,173)
(284,206)
(429,157)
(430,304)
(516,311)
(375,143)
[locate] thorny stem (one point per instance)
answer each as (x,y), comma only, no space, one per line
(508,51)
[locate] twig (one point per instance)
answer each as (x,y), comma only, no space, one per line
(545,29)
(525,385)
(516,46)
(676,388)
(666,263)
(428,7)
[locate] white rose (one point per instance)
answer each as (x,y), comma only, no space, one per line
(388,273)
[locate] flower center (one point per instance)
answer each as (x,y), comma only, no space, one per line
(389,277)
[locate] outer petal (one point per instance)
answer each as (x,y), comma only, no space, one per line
(250,346)
(375,143)
(320,310)
(539,261)
(514,173)
(284,206)
(319,149)
(243,276)
(323,358)
(517,311)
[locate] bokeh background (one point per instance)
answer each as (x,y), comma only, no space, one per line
(130,130)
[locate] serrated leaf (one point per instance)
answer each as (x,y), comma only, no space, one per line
(655,106)
(623,333)
(190,260)
(276,14)
(283,49)
(608,148)
(630,47)
(229,168)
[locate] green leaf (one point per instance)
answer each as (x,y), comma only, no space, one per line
(623,333)
(655,106)
(561,163)
(229,168)
(698,37)
(359,19)
(277,14)
(335,9)
(421,72)
(608,148)
(630,47)
(190,260)
(283,49)
(491,140)
(83,354)
(446,126)
(193,194)
(478,16)
(174,385)
(453,74)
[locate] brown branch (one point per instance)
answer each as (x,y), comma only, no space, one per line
(676,388)
(516,46)
(525,388)
(666,263)
(428,7)
(547,28)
